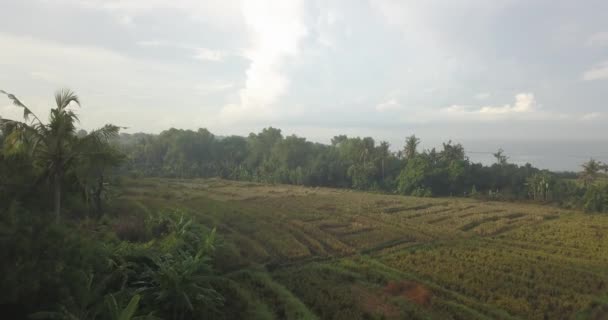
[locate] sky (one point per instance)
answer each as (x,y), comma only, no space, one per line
(470,71)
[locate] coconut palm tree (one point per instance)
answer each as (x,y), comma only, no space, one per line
(384,152)
(411,144)
(54,146)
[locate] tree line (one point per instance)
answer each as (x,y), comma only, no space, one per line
(358,163)
(66,159)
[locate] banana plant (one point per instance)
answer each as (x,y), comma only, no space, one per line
(126,313)
(181,282)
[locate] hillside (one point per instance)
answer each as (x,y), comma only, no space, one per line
(295,252)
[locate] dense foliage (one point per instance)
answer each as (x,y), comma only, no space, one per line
(114,258)
(93,263)
(359,163)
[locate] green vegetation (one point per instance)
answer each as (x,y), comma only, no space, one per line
(357,163)
(350,254)
(185,225)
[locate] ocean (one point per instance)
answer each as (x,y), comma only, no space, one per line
(555,155)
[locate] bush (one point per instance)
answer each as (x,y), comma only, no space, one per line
(43,264)
(422,192)
(596,199)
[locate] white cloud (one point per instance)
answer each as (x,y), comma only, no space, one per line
(482,95)
(599,39)
(126,21)
(275,29)
(136,93)
(151,43)
(598,72)
(389,105)
(208,88)
(326,25)
(409,18)
(424,22)
(524,103)
(591,116)
(525,107)
(220,14)
(205,54)
(288,55)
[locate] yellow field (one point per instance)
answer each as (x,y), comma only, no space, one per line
(347,254)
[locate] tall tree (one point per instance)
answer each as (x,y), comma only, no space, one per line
(54,145)
(411,144)
(591,170)
(500,156)
(383,154)
(92,168)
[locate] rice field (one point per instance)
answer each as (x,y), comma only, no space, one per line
(300,253)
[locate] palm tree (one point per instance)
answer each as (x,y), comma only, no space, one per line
(411,144)
(383,149)
(54,146)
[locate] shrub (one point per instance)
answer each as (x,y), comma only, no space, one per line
(596,199)
(43,264)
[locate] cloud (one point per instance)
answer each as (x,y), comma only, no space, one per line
(435,24)
(482,96)
(591,116)
(275,30)
(152,43)
(219,14)
(389,105)
(209,88)
(245,63)
(599,39)
(126,21)
(524,103)
(205,54)
(598,72)
(163,43)
(326,26)
(139,93)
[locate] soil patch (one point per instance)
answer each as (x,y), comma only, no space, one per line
(412,291)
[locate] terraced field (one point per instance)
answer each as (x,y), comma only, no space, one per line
(296,252)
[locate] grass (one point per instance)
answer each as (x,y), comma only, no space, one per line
(300,253)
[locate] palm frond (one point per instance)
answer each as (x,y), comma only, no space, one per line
(105,133)
(96,143)
(27,112)
(18,135)
(64,97)
(129,311)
